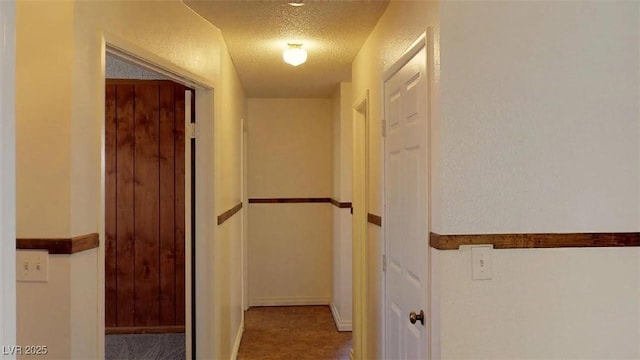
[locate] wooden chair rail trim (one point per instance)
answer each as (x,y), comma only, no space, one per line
(144,330)
(288,200)
(527,241)
(374,219)
(67,246)
(334,202)
(341,205)
(229,213)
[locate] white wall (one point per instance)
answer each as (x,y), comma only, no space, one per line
(539,128)
(542,304)
(539,133)
(7,176)
(535,129)
(341,301)
(289,245)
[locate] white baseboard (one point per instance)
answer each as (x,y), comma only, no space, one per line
(290,301)
(341,324)
(236,345)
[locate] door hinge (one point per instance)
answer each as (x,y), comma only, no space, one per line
(384,127)
(384,263)
(193,130)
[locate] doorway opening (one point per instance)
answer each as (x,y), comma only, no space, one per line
(148,211)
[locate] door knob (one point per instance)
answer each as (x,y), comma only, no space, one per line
(413,317)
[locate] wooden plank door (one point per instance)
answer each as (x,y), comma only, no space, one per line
(144,206)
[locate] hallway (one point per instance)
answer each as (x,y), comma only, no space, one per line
(292,332)
(531,177)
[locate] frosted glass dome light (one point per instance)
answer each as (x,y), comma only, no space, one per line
(295,55)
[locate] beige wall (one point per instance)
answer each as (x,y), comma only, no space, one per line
(43,113)
(228,260)
(289,148)
(289,254)
(48,323)
(342,108)
(536,106)
(60,115)
(289,245)
(401,24)
(43,147)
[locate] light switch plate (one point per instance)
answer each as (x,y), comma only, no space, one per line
(32,265)
(481,262)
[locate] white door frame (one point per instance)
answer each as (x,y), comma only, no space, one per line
(204,110)
(427,41)
(7,176)
(360,225)
(244,215)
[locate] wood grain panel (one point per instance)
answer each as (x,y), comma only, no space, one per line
(229,213)
(549,240)
(179,141)
(167,205)
(147,297)
(125,205)
(60,246)
(374,219)
(147,195)
(111,284)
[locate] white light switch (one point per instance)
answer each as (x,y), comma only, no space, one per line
(481,262)
(32,265)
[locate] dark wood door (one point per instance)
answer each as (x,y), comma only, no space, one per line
(145,206)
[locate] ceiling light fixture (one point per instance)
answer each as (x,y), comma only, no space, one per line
(295,2)
(294,55)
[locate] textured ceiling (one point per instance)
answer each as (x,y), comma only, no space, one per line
(118,68)
(256,33)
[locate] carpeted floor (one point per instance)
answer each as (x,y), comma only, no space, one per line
(145,346)
(293,333)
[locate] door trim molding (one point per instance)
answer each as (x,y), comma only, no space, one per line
(360,208)
(535,241)
(412,50)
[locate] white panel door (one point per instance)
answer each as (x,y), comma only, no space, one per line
(406,200)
